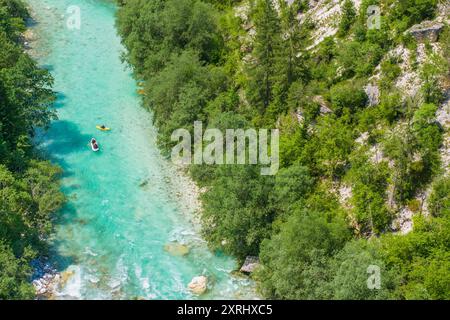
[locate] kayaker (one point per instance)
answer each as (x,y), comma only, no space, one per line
(94,144)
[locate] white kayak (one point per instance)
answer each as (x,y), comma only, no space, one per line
(94,145)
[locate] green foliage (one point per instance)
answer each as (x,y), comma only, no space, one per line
(14,275)
(369,183)
(347,18)
(439,200)
(29,188)
(292,185)
(154,30)
(351,265)
(12,18)
(429,277)
(332,144)
(401,147)
(179,94)
(391,70)
(296,259)
(405,13)
(421,258)
(431,74)
(391,107)
(359,59)
(267,42)
(347,95)
(236,215)
(25,100)
(427,131)
(292,140)
(323,67)
(414,148)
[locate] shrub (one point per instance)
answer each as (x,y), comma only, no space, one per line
(390,70)
(439,200)
(349,95)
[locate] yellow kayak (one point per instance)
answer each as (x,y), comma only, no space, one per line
(103,128)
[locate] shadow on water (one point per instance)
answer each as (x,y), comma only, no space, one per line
(68,221)
(65,138)
(30,22)
(57,262)
(65,216)
(45,155)
(60,100)
(62,139)
(47,67)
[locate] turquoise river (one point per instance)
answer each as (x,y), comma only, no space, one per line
(125,203)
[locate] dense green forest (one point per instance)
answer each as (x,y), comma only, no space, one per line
(197,61)
(29,188)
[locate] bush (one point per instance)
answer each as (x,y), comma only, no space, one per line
(369,183)
(292,185)
(405,13)
(390,71)
(431,74)
(421,258)
(358,58)
(237,215)
(348,95)
(427,131)
(439,200)
(351,266)
(14,275)
(301,251)
(332,145)
(391,107)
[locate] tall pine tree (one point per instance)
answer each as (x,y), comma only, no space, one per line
(266,47)
(290,56)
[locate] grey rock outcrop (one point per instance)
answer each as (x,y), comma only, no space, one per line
(427,30)
(250,264)
(373,94)
(324,105)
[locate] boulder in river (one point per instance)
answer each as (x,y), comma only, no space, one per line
(144,183)
(250,264)
(176,249)
(198,285)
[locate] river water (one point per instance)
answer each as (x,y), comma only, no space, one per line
(124,203)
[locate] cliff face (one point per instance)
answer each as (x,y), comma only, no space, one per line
(326,16)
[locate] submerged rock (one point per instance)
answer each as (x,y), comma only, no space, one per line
(250,264)
(144,183)
(65,277)
(176,249)
(198,285)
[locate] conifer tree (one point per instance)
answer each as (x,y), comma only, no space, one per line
(266,46)
(348,17)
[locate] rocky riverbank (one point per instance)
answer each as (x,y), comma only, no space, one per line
(46,278)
